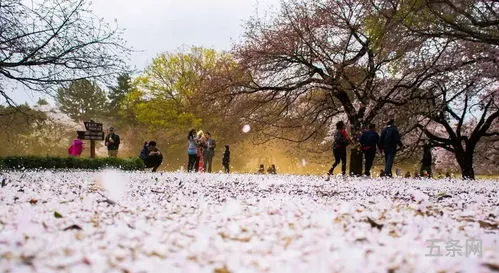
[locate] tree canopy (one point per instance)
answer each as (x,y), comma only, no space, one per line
(82,100)
(118,93)
(171,92)
(319,61)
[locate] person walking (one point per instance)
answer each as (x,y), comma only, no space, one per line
(226,159)
(112,142)
(341,141)
(191,150)
(388,141)
(368,143)
(209,152)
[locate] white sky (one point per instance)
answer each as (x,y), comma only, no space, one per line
(155,26)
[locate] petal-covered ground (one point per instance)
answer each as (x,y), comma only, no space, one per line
(177,222)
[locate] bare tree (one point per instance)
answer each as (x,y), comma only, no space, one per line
(46,43)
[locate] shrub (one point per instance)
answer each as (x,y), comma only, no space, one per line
(48,162)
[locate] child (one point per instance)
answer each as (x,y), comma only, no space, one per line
(226,159)
(76,148)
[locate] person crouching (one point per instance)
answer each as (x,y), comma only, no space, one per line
(151,155)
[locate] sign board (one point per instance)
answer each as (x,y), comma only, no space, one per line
(90,135)
(93,126)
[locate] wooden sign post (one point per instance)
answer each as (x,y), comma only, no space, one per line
(92,148)
(93,132)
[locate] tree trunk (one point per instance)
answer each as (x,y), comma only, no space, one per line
(465,161)
(356,154)
(355,162)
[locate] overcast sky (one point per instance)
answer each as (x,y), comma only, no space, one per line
(156,26)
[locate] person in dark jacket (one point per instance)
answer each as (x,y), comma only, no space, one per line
(226,159)
(388,141)
(341,141)
(112,142)
(145,151)
(151,155)
(369,140)
(426,161)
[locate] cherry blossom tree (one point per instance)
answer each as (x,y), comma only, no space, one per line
(461,109)
(316,60)
(485,158)
(469,20)
(458,109)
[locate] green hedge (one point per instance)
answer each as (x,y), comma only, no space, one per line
(42,162)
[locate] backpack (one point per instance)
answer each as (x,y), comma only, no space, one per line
(340,140)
